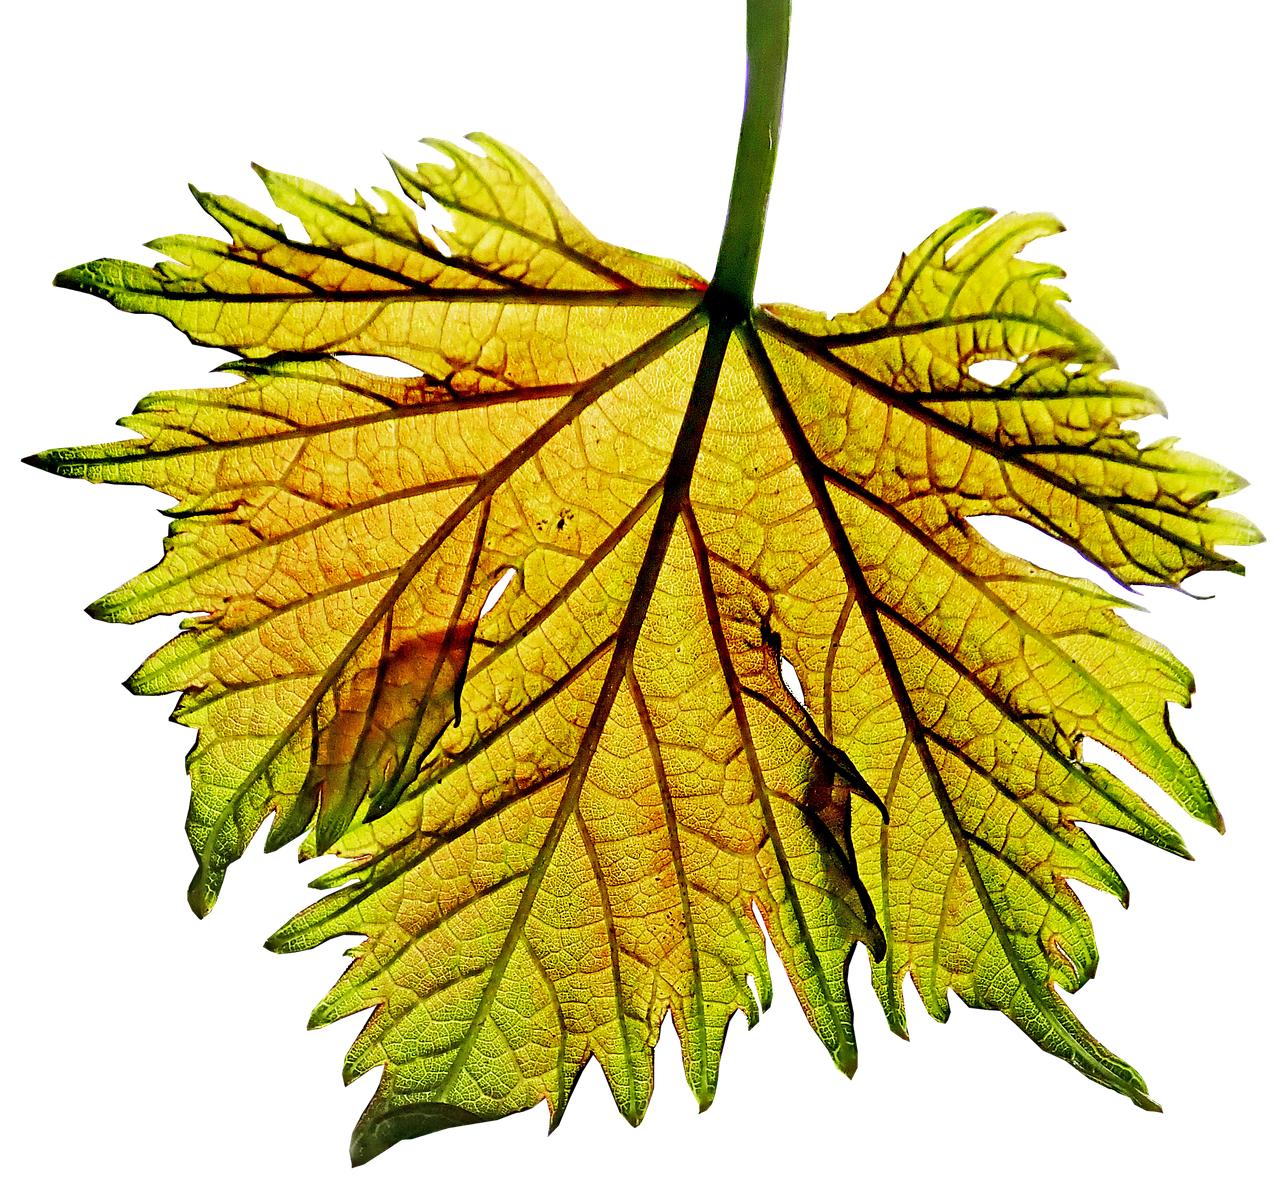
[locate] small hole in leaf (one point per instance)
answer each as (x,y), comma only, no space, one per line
(791,680)
(490,599)
(991,371)
(1072,368)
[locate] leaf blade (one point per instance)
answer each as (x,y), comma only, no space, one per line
(561,817)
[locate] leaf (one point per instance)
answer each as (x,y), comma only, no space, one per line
(561,814)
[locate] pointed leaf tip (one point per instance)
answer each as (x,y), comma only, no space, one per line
(378,1131)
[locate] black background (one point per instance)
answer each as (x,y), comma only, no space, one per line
(160,1041)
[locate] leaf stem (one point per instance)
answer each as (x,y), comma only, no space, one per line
(768,27)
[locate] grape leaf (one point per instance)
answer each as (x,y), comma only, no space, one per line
(562,812)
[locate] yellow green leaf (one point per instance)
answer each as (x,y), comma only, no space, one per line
(562,813)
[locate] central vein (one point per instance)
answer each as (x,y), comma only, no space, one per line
(676,489)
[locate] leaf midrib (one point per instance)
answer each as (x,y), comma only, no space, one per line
(683,458)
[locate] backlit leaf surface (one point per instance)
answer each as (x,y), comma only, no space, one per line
(564,813)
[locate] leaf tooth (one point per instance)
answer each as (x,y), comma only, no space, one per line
(1135,816)
(1005,239)
(313,925)
(408,180)
(247,226)
(305,200)
(332,1008)
(397,209)
(947,236)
